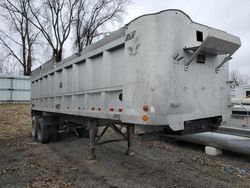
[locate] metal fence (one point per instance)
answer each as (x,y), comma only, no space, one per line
(14,88)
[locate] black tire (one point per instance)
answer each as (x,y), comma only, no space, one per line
(34,127)
(54,132)
(42,132)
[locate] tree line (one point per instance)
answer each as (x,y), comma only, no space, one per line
(31,27)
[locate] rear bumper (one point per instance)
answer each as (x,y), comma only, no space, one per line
(198,126)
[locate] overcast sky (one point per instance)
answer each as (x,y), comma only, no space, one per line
(232,16)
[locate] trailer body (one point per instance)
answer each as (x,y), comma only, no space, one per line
(161,69)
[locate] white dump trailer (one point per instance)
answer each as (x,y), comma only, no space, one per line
(161,70)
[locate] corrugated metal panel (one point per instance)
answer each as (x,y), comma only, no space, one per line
(21,84)
(21,95)
(14,88)
(5,95)
(5,83)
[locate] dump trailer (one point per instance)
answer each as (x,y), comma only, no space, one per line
(161,70)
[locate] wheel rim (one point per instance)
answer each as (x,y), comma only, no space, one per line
(39,131)
(33,132)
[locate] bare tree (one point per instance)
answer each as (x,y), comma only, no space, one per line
(8,64)
(92,15)
(54,20)
(20,36)
(239,78)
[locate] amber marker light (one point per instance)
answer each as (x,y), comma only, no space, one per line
(145,118)
(145,108)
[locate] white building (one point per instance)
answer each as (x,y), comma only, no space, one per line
(240,92)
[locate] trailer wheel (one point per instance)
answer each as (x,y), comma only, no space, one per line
(34,128)
(54,132)
(42,132)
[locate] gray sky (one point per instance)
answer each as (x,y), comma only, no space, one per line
(232,16)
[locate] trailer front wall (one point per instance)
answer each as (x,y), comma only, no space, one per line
(161,82)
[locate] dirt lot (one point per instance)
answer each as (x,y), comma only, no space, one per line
(65,163)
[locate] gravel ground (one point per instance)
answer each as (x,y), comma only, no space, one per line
(156,163)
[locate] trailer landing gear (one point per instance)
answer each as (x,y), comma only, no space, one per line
(129,140)
(92,135)
(95,139)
